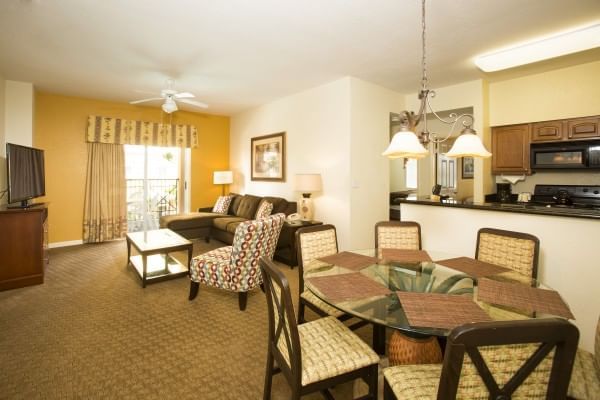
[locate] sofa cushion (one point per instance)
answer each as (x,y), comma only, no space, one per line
(248,206)
(222,223)
(279,204)
(233,226)
(235,203)
(264,210)
(188,221)
(222,205)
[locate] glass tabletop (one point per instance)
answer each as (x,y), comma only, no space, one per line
(423,277)
(157,239)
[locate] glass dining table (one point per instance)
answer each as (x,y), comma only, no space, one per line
(398,277)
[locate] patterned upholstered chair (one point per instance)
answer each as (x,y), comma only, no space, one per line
(315,355)
(313,242)
(530,359)
(585,381)
(398,235)
(235,267)
(514,250)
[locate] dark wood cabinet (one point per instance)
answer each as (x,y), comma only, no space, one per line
(510,149)
(583,128)
(23,245)
(548,131)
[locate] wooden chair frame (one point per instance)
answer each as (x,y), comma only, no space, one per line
(552,333)
(293,372)
(399,224)
(516,235)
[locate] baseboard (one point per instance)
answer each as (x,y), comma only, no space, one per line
(65,244)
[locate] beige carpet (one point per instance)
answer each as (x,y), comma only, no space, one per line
(91,332)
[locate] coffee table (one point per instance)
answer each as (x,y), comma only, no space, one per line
(153,262)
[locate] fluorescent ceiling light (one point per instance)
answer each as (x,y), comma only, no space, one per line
(541,49)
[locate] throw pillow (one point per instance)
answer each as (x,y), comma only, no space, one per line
(222,205)
(264,210)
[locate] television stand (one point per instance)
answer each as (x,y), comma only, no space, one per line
(24,204)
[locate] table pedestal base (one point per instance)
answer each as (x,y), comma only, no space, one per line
(407,350)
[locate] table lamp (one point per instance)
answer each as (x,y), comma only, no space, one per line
(222,178)
(307,184)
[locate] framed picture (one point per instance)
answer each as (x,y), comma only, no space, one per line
(467,168)
(268,158)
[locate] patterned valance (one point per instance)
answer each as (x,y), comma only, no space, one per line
(122,131)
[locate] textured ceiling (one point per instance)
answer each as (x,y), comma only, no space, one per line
(236,54)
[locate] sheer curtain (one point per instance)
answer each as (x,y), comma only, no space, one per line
(105,209)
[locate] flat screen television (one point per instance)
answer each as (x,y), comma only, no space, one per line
(25,174)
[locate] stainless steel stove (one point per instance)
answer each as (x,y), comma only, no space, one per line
(567,196)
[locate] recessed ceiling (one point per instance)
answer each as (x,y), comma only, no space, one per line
(237,54)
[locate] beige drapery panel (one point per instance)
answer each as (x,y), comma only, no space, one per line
(105,209)
(122,131)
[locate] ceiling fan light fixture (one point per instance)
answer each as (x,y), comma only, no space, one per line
(169,106)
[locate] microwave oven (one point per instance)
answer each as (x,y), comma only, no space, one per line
(565,155)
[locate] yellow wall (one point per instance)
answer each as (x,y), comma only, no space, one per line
(561,93)
(60,123)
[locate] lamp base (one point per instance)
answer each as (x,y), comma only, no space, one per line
(306,209)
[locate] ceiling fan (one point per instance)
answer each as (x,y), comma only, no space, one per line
(171,97)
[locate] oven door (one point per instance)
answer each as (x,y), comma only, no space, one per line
(555,157)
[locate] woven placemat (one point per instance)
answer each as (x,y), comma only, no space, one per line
(401,255)
(349,260)
(472,267)
(436,310)
(350,286)
(523,297)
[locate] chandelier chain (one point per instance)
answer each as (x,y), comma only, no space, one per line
(423,56)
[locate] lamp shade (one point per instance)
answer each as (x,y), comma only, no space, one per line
(468,144)
(222,177)
(405,144)
(169,106)
(308,183)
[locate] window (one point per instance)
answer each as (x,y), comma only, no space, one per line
(410,168)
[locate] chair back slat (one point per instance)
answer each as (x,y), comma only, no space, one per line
(284,340)
(398,235)
(509,359)
(514,250)
(252,240)
(313,242)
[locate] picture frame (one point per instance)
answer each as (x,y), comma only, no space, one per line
(468,168)
(267,161)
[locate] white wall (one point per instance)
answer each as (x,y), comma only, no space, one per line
(370,180)
(18,115)
(317,126)
(568,251)
(2,142)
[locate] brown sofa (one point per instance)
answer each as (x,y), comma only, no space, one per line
(207,224)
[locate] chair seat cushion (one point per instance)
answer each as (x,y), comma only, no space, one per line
(212,267)
(330,349)
(584,381)
(414,381)
(317,302)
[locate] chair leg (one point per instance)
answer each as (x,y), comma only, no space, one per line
(242,299)
(207,239)
(268,376)
(373,381)
(262,287)
(388,393)
(379,339)
(301,307)
(194,286)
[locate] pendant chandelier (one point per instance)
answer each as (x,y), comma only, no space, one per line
(406,144)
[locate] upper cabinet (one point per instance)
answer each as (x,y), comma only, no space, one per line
(566,129)
(510,149)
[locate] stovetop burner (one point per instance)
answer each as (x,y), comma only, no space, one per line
(567,196)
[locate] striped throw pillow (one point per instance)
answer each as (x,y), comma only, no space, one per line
(222,205)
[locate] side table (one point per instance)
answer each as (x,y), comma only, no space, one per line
(286,246)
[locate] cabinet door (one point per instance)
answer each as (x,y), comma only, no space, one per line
(510,149)
(583,128)
(548,131)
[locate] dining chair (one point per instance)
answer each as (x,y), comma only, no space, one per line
(313,242)
(235,268)
(313,356)
(585,381)
(530,359)
(398,235)
(514,250)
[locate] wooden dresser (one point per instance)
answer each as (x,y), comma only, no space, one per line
(23,246)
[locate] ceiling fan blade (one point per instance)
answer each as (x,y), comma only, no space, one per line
(184,95)
(194,103)
(145,100)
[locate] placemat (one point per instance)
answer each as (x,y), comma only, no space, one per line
(350,286)
(472,267)
(523,297)
(401,255)
(436,310)
(349,260)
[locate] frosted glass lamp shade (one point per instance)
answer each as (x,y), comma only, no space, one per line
(468,145)
(222,177)
(405,144)
(308,183)
(169,106)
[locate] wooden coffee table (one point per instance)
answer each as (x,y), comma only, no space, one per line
(153,262)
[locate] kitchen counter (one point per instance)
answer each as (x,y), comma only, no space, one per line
(523,208)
